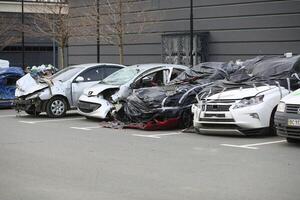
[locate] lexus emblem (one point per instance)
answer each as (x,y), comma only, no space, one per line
(90,93)
(299,111)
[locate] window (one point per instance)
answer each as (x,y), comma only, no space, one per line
(176,48)
(94,74)
(66,73)
(151,80)
(108,70)
(175,73)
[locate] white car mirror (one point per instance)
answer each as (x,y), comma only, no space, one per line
(79,79)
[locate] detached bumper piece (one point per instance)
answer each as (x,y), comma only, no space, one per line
(88,107)
(282,126)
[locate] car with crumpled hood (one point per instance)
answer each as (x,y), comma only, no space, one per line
(8,79)
(60,92)
(287,117)
(99,101)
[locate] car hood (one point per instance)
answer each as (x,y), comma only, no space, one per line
(293,98)
(241,93)
(98,88)
(28,85)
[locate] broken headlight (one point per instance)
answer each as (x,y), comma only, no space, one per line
(249,102)
(281,107)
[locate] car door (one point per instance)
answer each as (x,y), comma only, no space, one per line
(90,77)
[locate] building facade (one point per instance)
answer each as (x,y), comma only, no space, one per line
(37,50)
(237,29)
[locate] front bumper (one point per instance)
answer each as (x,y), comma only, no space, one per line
(282,127)
(252,120)
(28,104)
(94,107)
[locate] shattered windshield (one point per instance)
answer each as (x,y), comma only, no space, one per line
(66,73)
(122,76)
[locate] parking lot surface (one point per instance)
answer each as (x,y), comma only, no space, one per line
(74,158)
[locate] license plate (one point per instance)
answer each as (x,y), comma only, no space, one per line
(294,122)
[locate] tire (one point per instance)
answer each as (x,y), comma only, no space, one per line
(186,119)
(292,140)
(56,107)
(32,112)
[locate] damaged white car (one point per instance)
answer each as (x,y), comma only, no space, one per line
(97,101)
(60,92)
(245,111)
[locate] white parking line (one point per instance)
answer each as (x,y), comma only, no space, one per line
(252,146)
(50,120)
(156,136)
(16,115)
(86,128)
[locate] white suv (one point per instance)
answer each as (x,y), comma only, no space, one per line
(247,111)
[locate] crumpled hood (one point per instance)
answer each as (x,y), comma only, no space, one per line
(27,85)
(98,88)
(240,93)
(293,98)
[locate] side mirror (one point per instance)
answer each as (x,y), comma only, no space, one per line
(79,79)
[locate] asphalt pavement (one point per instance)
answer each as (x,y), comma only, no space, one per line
(76,159)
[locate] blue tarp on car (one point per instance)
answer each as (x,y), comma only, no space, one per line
(8,78)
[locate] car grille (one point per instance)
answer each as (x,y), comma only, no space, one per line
(88,107)
(216,120)
(292,108)
(216,107)
(288,131)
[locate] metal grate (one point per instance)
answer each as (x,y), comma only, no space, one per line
(216,107)
(293,109)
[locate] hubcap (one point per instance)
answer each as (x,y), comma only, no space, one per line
(57,107)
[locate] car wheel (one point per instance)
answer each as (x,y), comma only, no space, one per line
(186,119)
(292,140)
(56,107)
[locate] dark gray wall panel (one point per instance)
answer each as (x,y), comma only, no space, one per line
(238,29)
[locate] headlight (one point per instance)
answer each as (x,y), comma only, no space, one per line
(281,107)
(249,102)
(33,96)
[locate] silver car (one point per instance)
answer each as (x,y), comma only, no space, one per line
(98,101)
(59,93)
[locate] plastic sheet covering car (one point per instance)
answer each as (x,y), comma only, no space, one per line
(261,70)
(169,106)
(8,78)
